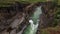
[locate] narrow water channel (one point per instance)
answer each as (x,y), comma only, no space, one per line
(34,22)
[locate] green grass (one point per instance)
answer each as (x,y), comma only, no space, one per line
(58,2)
(44,31)
(31,1)
(3,2)
(47,30)
(11,1)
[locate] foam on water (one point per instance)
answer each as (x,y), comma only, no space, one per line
(33,27)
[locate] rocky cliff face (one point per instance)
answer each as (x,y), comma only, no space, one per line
(47,17)
(9,14)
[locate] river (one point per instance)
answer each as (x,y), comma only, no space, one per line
(34,22)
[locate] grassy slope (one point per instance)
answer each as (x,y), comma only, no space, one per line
(10,1)
(4,2)
(51,30)
(58,2)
